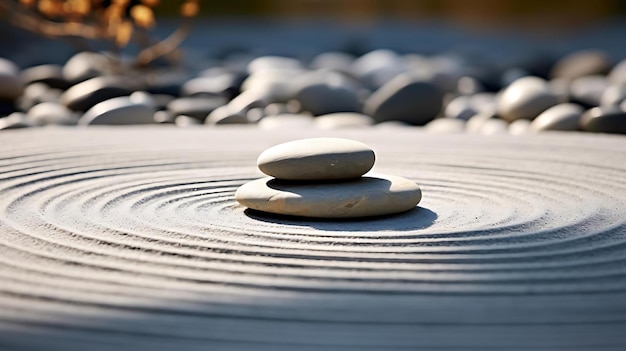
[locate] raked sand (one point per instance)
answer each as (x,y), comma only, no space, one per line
(131,239)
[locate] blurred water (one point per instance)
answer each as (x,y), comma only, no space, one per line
(221,37)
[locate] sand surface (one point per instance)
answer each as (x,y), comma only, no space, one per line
(130,239)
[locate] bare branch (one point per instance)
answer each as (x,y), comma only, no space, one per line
(92,20)
(165,46)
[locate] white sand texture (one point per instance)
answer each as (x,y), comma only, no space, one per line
(130,238)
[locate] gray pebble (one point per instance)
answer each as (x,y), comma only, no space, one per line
(118,111)
(224,115)
(588,90)
(618,73)
(197,107)
(271,63)
(85,95)
(582,63)
(519,127)
(341,120)
(390,125)
(614,95)
(484,102)
(469,86)
(11,84)
(405,99)
(286,121)
(475,124)
(163,117)
(9,67)
(336,61)
(378,67)
(494,127)
(143,97)
(361,197)
(85,65)
(525,98)
(186,121)
(164,82)
(248,99)
(442,70)
(559,117)
(604,120)
(37,93)
(49,74)
(16,120)
(272,86)
(254,115)
(223,84)
(161,100)
(460,108)
(277,108)
(446,126)
(325,92)
(51,113)
(560,88)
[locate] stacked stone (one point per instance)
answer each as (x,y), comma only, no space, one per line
(325,178)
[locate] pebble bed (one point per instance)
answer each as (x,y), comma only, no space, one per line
(582,91)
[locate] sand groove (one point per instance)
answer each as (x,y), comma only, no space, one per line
(130,238)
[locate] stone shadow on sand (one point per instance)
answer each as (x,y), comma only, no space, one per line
(417,218)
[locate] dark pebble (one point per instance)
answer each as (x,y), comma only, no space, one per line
(85,95)
(406,99)
(325,92)
(50,75)
(167,83)
(604,120)
(6,108)
(11,84)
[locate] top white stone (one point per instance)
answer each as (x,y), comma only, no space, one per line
(317,159)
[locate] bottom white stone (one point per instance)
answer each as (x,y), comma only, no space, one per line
(361,197)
